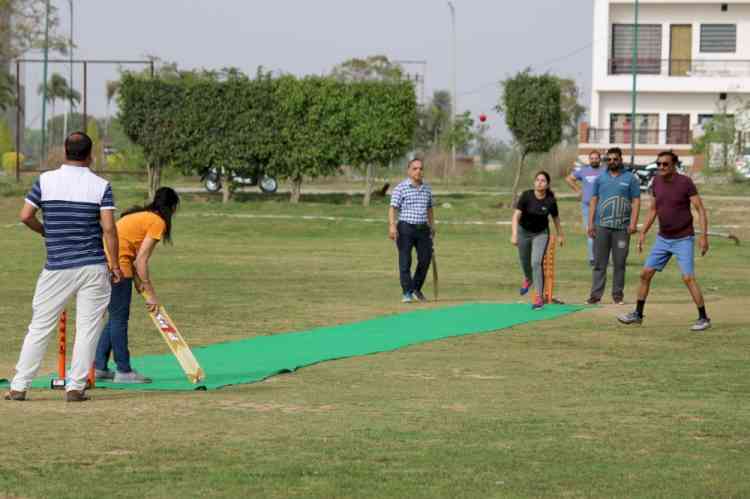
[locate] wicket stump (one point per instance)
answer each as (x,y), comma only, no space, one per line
(548,267)
(58,383)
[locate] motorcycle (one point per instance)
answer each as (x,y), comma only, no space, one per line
(212,178)
(647,173)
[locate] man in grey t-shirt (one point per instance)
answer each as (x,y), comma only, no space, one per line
(586,175)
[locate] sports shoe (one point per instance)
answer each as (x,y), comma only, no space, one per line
(701,325)
(76,396)
(133,378)
(407,298)
(419,296)
(103,374)
(631,318)
(538,304)
(593,301)
(525,285)
(15,396)
(618,301)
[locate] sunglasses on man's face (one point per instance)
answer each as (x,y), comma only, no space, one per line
(663,163)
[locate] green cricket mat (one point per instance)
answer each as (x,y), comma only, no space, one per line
(255,359)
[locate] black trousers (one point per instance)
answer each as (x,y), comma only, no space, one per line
(413,236)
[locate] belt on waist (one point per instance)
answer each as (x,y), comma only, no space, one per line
(416,226)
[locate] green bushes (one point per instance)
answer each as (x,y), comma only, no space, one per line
(291,127)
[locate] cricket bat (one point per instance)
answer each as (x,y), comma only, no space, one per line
(435,274)
(176,342)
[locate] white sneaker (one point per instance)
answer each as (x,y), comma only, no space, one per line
(701,325)
(133,377)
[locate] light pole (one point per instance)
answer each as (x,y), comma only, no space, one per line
(70,77)
(454,104)
(43,155)
(634,68)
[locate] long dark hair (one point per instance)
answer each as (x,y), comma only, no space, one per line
(164,204)
(546,175)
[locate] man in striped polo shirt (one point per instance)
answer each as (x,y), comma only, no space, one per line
(412,199)
(78,213)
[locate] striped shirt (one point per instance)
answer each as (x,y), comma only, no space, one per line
(71,198)
(412,202)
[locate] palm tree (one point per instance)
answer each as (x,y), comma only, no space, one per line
(58,89)
(113,86)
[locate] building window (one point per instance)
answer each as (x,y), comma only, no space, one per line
(621,129)
(649,49)
(719,38)
(705,119)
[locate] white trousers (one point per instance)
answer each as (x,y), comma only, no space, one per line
(92,288)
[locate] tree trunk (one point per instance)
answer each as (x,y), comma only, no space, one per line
(154,179)
(368,187)
(226,186)
(514,199)
(296,189)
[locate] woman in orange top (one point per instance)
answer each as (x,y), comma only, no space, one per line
(139,230)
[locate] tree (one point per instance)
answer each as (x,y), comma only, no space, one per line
(311,123)
(461,135)
(383,120)
(58,89)
(489,148)
(149,113)
(718,138)
(26,31)
(531,104)
(92,130)
(200,119)
(7,90)
(112,87)
(571,110)
(372,68)
(434,122)
(6,140)
(374,83)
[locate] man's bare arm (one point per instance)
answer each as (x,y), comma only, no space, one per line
(111,241)
(28,217)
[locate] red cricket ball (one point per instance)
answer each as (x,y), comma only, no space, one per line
(482,118)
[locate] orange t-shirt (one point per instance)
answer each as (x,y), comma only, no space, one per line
(132,230)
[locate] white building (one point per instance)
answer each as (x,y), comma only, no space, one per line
(693,61)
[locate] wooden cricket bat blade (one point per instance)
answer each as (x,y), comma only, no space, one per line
(435,282)
(177,344)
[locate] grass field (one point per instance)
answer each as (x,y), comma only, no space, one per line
(580,407)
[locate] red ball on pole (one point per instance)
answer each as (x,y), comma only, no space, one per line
(482,118)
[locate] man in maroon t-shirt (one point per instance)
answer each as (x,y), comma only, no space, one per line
(673,195)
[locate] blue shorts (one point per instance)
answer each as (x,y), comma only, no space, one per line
(683,249)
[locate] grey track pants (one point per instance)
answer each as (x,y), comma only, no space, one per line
(531,249)
(616,242)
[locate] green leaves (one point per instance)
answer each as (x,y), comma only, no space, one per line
(532,110)
(292,127)
(382,120)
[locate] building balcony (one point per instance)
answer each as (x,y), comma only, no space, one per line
(706,68)
(643,136)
